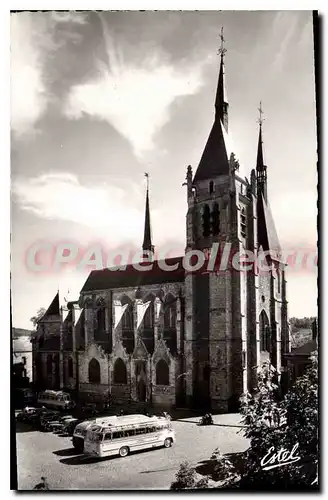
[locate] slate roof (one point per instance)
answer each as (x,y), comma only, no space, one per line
(267,234)
(131,277)
(215,159)
(54,308)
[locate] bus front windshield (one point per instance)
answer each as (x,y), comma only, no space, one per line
(95,435)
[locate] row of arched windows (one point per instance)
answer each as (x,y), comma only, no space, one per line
(149,317)
(211,220)
(120,372)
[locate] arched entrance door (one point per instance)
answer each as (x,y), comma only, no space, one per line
(141,378)
(141,391)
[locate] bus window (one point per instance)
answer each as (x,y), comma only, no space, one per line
(129,432)
(108,436)
(141,430)
(117,435)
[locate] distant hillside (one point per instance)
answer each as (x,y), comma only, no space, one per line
(20,332)
(300,337)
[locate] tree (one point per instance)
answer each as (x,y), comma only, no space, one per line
(272,423)
(35,319)
(185,479)
(282,423)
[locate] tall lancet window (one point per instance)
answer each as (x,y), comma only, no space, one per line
(215,219)
(206,221)
(265,339)
(243,223)
(100,324)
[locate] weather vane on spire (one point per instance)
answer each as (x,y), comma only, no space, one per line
(147,177)
(222,50)
(260,119)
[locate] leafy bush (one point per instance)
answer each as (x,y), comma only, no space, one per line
(185,479)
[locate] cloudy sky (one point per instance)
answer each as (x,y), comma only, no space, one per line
(98,99)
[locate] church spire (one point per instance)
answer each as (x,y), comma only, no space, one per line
(147,245)
(260,167)
(215,158)
(221,100)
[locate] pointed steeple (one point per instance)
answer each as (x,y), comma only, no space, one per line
(215,158)
(54,308)
(259,159)
(147,245)
(260,167)
(221,100)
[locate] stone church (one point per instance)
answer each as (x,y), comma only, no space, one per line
(178,338)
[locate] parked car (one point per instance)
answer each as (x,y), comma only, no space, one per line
(70,426)
(58,423)
(48,417)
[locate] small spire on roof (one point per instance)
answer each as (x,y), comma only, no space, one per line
(147,244)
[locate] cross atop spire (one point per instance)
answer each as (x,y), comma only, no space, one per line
(147,177)
(222,50)
(221,101)
(260,119)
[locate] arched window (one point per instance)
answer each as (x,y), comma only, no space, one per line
(264,332)
(120,375)
(215,219)
(170,312)
(206,221)
(94,372)
(149,314)
(101,324)
(211,187)
(70,367)
(243,223)
(49,364)
(278,281)
(162,373)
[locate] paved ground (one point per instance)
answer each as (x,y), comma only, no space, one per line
(54,457)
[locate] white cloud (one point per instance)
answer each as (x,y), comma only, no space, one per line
(108,210)
(28,98)
(32,40)
(133,97)
(284,27)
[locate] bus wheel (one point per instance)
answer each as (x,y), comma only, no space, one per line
(168,443)
(124,451)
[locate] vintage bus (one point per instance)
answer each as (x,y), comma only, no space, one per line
(124,434)
(80,431)
(58,400)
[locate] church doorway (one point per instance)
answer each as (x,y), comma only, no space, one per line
(141,391)
(141,379)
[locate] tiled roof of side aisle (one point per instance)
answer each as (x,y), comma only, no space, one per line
(131,277)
